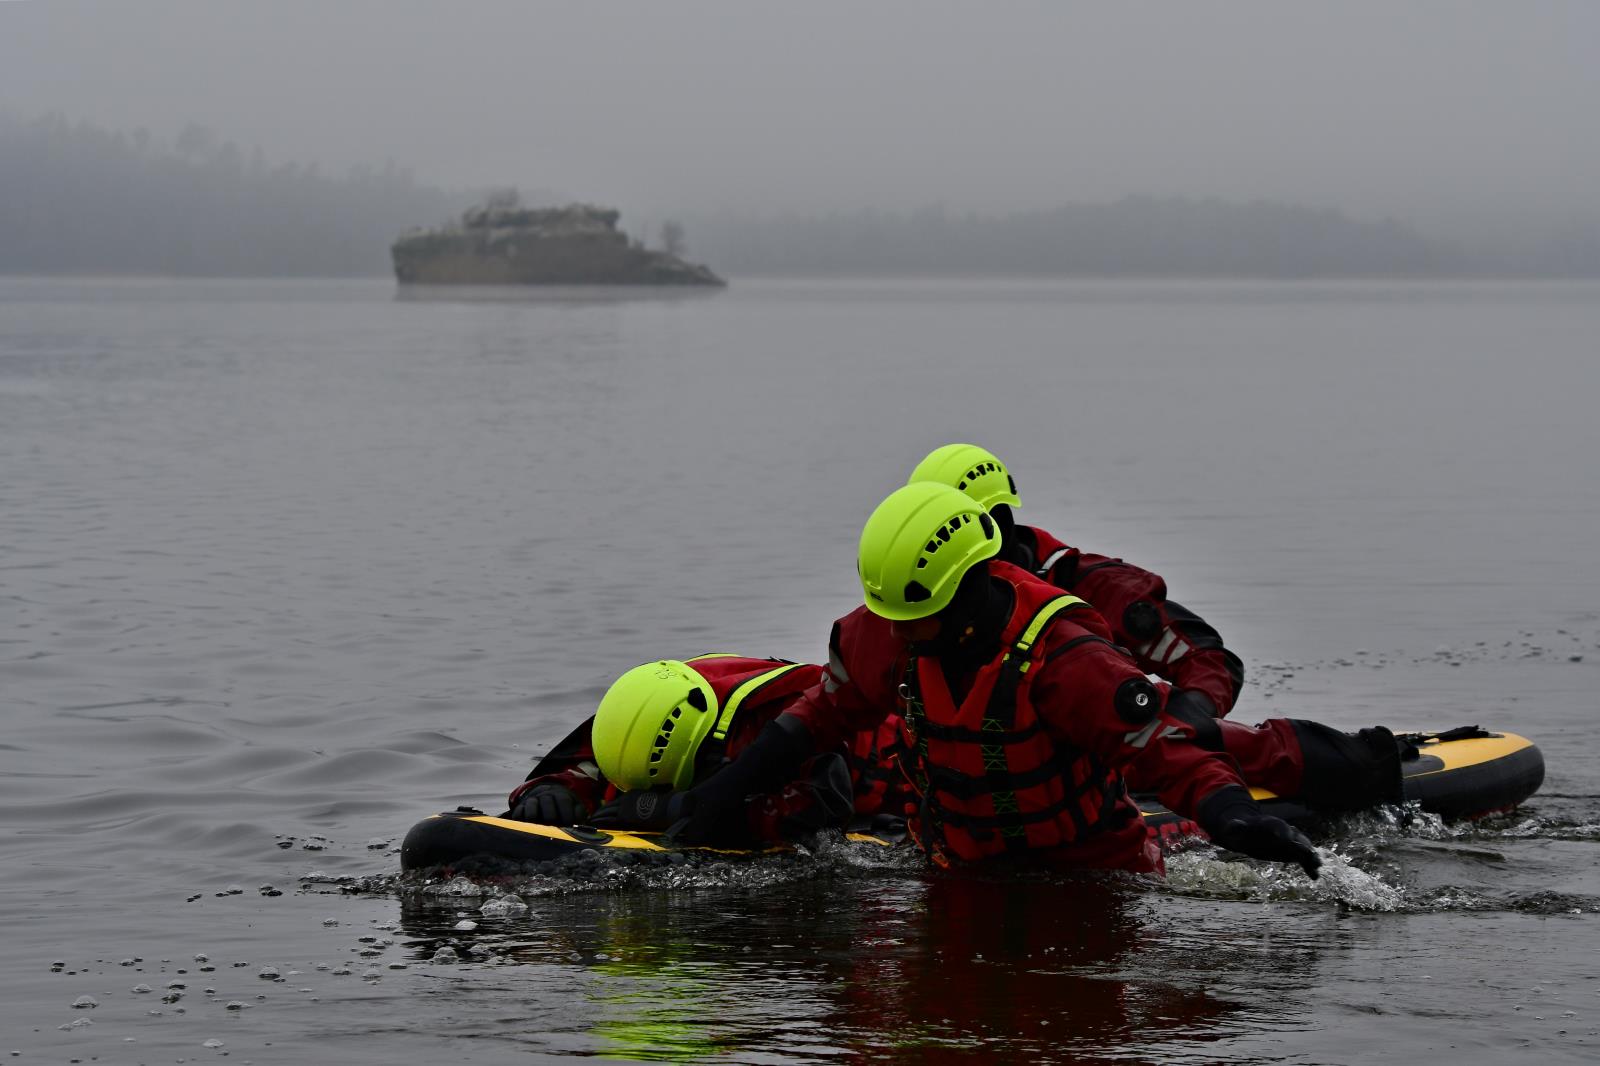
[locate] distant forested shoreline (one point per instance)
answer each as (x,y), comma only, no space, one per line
(78,199)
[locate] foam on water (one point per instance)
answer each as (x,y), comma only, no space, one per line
(1199,873)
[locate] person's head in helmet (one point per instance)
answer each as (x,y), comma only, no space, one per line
(922,560)
(977,472)
(651,727)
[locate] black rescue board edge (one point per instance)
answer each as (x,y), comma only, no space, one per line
(448,839)
(1456,789)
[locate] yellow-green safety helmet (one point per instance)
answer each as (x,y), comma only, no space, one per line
(916,547)
(976,471)
(650,724)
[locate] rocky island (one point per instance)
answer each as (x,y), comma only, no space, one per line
(502,243)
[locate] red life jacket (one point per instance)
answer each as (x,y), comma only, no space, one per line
(992,781)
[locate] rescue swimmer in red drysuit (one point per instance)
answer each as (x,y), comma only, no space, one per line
(1021,715)
(1324,768)
(666,725)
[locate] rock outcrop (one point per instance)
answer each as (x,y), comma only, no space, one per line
(502,243)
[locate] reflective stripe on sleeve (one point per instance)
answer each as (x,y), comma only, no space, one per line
(1140,737)
(834,675)
(1049,564)
(1168,650)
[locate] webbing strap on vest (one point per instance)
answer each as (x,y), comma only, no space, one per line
(1000,716)
(736,699)
(990,733)
(1073,793)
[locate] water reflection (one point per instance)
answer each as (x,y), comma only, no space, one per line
(863,968)
(1023,969)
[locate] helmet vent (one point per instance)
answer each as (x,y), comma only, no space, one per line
(915,592)
(659,748)
(941,536)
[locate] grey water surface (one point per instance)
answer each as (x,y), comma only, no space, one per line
(289,565)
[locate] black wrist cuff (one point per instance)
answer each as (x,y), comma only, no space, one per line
(1225,805)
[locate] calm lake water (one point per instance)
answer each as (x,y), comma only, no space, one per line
(289,565)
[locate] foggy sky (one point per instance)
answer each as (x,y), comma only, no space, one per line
(1434,111)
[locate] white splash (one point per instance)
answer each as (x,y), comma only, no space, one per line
(1199,872)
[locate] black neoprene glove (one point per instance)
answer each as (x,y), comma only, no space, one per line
(715,811)
(550,804)
(644,808)
(1233,820)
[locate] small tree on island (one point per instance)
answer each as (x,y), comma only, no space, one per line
(672,239)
